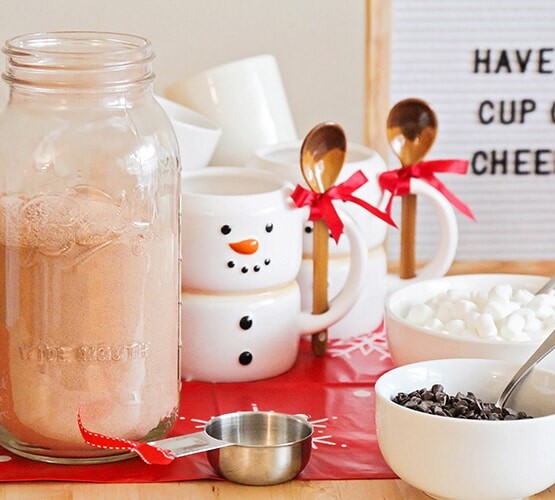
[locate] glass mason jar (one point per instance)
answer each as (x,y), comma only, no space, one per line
(89,247)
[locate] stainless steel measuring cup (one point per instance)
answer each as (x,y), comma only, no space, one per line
(250,447)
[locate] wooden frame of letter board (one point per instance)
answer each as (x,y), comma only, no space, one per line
(377,79)
(377,74)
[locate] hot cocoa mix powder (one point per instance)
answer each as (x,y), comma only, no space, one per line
(88,319)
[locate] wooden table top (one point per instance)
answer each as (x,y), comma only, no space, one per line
(348,490)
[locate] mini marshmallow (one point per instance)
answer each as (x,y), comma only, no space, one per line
(461,307)
(455,327)
(502,293)
(541,307)
(522,296)
(485,326)
(500,309)
(549,298)
(480,298)
(444,311)
(436,300)
(420,314)
(533,324)
(434,324)
(470,317)
(512,328)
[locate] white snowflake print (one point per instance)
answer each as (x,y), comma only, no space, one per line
(318,438)
(366,344)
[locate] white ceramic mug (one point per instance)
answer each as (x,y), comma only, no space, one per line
(197,136)
(247,98)
(242,250)
(367,313)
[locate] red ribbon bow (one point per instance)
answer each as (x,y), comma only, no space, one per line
(321,206)
(149,453)
(397,182)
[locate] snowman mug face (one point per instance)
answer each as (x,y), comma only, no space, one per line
(241,231)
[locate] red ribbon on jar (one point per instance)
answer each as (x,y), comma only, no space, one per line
(321,204)
(397,182)
(150,454)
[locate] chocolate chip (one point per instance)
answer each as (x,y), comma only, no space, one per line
(435,401)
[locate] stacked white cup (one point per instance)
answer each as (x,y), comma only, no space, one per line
(242,316)
(246,98)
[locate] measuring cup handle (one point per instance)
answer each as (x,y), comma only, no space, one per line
(343,303)
(189,444)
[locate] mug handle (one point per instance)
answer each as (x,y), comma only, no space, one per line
(448,236)
(345,300)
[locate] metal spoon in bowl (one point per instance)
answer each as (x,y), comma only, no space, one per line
(548,286)
(541,352)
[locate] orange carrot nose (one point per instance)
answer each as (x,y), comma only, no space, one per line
(245,247)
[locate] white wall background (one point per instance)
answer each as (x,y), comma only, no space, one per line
(319,44)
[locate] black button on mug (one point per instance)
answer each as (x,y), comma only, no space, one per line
(245,358)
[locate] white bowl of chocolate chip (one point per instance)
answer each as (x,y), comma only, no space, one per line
(467,456)
(493,316)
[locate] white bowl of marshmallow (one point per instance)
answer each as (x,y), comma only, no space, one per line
(492,316)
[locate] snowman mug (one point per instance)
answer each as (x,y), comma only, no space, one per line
(242,250)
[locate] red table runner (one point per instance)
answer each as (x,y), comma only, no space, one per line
(337,391)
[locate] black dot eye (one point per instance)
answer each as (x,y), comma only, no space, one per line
(307,229)
(245,358)
(225,229)
(269,227)
(245,322)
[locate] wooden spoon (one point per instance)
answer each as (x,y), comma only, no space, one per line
(411,131)
(322,156)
